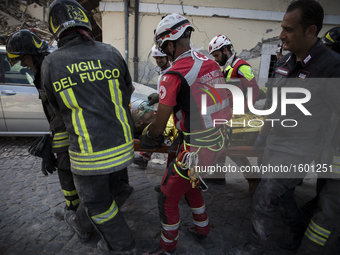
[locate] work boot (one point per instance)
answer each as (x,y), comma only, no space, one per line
(159,251)
(204,240)
(157,188)
(123,195)
(103,247)
(82,235)
(293,241)
(141,162)
(247,249)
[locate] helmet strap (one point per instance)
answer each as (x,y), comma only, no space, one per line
(173,55)
(167,61)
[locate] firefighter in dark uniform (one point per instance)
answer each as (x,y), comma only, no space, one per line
(89,85)
(331,40)
(27,47)
(302,73)
(324,228)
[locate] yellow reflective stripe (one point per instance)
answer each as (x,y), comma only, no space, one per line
(336,159)
(319,230)
(247,72)
(68,202)
(336,165)
(36,44)
(70,193)
(170,227)
(59,144)
(315,238)
(10,55)
(329,38)
(60,136)
(106,216)
(117,99)
(78,121)
(180,173)
(230,70)
(53,28)
(103,164)
(199,210)
(75,202)
(102,154)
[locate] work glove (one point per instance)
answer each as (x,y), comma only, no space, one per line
(147,142)
(259,142)
(42,147)
(49,165)
(153,98)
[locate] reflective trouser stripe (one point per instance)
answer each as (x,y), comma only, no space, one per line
(319,230)
(106,216)
(74,202)
(70,193)
(170,227)
(167,240)
(78,121)
(316,233)
(201,224)
(336,165)
(117,99)
(109,162)
(60,140)
(198,210)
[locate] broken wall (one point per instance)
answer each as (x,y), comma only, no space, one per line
(247,23)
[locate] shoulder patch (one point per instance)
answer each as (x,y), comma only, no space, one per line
(162,92)
(302,75)
(282,71)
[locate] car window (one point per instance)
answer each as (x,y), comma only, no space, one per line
(17,73)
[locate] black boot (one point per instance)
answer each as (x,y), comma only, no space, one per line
(293,241)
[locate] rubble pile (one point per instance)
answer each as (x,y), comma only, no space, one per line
(15,10)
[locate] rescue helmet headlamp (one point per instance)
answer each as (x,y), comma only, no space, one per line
(24,42)
(65,14)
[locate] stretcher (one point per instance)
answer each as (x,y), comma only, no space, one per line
(236,151)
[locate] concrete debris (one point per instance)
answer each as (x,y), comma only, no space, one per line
(12,18)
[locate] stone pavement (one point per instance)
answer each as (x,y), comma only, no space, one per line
(31,209)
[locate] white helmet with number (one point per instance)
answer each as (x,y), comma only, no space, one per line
(218,42)
(156,53)
(171,28)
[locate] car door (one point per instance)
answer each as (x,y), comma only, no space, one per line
(22,110)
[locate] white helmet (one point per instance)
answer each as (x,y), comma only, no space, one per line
(218,42)
(156,53)
(171,28)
